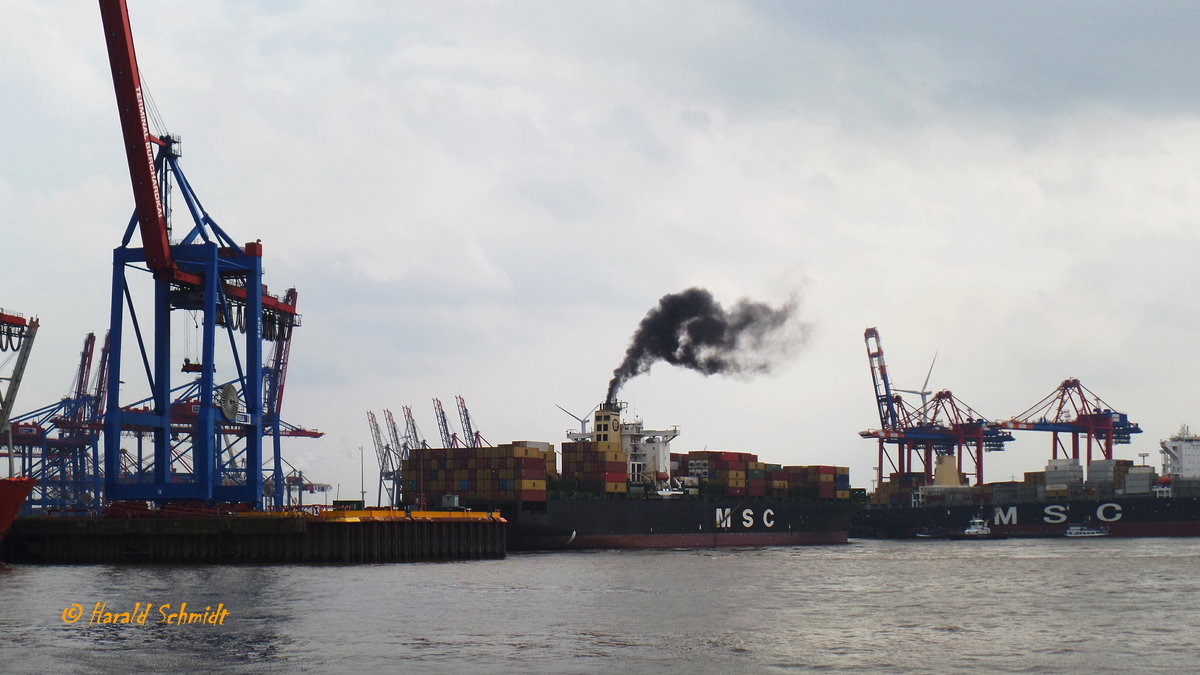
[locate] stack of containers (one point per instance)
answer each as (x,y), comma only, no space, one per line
(679,464)
(1033,488)
(511,472)
(826,488)
(596,466)
(1121,469)
(1005,492)
(898,489)
(724,473)
(776,477)
(1062,475)
(756,479)
(1138,480)
(981,494)
(1106,476)
(811,482)
(802,483)
(841,482)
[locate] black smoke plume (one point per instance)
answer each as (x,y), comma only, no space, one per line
(693,330)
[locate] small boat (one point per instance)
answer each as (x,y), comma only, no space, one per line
(1086,531)
(978,529)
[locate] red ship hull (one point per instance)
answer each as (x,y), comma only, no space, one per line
(13,492)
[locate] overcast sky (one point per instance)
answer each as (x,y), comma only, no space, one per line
(485,198)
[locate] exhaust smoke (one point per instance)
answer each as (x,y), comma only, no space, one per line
(693,330)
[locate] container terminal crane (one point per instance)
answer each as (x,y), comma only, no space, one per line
(16,337)
(205,437)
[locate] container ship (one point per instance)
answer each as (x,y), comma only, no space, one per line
(620,486)
(1116,497)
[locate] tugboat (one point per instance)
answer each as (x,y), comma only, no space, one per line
(978,529)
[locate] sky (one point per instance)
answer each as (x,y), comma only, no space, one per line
(485,198)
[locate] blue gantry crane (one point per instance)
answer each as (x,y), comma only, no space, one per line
(202,271)
(58,444)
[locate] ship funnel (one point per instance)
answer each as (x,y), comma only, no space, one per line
(945,472)
(606,425)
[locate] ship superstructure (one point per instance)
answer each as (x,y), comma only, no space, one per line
(647,451)
(1181,454)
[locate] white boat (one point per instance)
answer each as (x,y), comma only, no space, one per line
(978,529)
(1085,531)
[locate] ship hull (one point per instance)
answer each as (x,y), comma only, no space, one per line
(565,524)
(1121,516)
(13,492)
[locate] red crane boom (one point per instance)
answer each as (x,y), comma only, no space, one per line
(139,142)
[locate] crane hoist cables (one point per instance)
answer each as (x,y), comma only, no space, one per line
(156,120)
(11,338)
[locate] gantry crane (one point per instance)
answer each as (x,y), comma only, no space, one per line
(58,444)
(389,464)
(474,439)
(276,377)
(943,426)
(412,437)
(205,272)
(16,335)
(449,440)
(1075,410)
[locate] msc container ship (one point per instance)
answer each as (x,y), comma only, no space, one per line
(1117,498)
(620,486)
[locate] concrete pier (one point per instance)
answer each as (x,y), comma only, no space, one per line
(343,537)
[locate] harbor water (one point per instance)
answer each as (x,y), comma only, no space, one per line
(1040,606)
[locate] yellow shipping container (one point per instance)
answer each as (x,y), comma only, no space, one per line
(608,446)
(842,494)
(826,478)
(616,487)
(531,485)
(779,484)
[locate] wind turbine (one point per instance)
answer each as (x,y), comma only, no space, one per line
(924,391)
(583,421)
